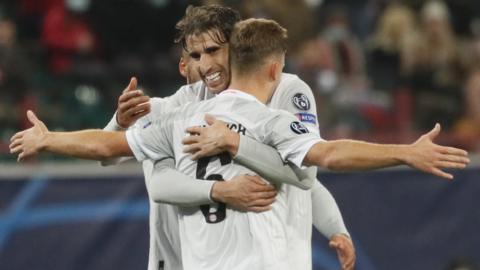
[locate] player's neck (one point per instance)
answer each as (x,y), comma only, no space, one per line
(254,85)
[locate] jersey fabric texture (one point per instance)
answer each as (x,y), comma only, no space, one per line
(223,238)
(296,97)
(290,95)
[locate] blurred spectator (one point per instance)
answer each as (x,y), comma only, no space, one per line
(296,16)
(467,129)
(437,70)
(137,37)
(333,65)
(67,35)
(389,59)
(15,97)
(372,64)
(29,17)
(390,50)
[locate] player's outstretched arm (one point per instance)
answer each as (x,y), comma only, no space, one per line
(424,155)
(258,157)
(86,144)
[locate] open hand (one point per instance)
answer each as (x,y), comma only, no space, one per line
(245,193)
(28,143)
(132,104)
(211,140)
(432,158)
(345,250)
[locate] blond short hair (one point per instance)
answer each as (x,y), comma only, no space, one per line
(255,40)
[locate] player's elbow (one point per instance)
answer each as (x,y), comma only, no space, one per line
(113,148)
(327,156)
(102,152)
(333,163)
(106,150)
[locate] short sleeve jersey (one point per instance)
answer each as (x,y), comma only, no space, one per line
(215,237)
(296,97)
(163,221)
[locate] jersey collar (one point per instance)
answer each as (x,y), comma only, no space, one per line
(238,93)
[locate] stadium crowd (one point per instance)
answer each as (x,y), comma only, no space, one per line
(381,70)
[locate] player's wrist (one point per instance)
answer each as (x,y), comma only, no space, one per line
(403,153)
(217,191)
(45,140)
(344,235)
(118,122)
(232,142)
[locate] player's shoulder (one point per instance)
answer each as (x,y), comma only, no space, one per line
(189,92)
(291,87)
(192,89)
(291,82)
(292,92)
(296,97)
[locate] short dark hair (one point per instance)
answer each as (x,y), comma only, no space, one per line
(253,41)
(201,19)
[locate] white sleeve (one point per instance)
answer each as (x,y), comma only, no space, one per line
(168,185)
(290,137)
(183,95)
(114,126)
(266,161)
(152,141)
(296,97)
(327,218)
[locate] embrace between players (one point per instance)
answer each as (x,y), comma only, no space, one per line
(200,221)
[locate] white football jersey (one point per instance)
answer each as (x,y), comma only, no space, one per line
(217,237)
(164,248)
(296,97)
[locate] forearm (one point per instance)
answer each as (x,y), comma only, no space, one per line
(167,185)
(114,126)
(351,155)
(87,144)
(327,218)
(267,162)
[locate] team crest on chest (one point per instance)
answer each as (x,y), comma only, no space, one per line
(298,128)
(301,102)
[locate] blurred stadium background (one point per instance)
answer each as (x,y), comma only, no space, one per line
(382,71)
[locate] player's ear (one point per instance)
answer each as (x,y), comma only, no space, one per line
(273,70)
(182,67)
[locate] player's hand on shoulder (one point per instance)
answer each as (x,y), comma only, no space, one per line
(432,158)
(343,245)
(245,193)
(28,143)
(132,105)
(210,140)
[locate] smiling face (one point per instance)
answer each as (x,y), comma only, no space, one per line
(210,59)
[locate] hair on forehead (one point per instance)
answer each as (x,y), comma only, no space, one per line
(255,40)
(217,21)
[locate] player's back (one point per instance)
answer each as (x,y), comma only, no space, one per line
(216,236)
(262,241)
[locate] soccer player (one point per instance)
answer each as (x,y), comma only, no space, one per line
(259,76)
(292,94)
